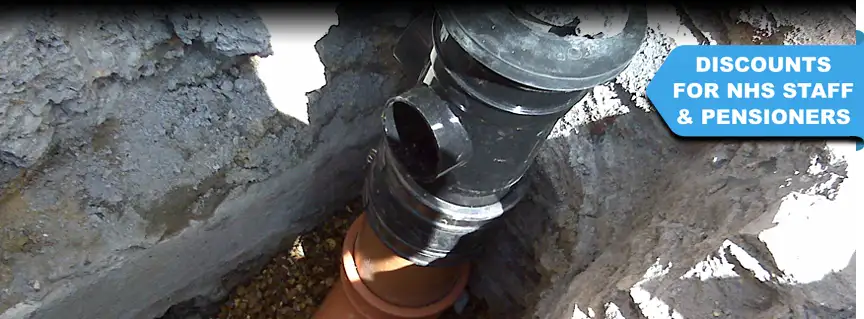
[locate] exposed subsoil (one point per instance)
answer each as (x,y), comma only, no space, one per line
(295,282)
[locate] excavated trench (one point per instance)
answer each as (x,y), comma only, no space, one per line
(610,188)
(172,164)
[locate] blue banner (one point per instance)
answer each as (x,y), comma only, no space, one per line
(762,91)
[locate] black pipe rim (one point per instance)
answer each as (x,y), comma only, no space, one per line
(391,199)
(458,211)
(489,33)
(482,90)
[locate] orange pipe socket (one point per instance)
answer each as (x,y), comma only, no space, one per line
(375,283)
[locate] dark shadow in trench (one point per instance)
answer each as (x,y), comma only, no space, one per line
(506,272)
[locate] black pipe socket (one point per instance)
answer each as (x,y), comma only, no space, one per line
(456,146)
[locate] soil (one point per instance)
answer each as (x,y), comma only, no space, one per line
(295,282)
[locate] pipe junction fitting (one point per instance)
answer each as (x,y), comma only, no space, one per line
(456,146)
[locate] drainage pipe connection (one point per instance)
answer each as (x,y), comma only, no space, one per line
(457,146)
(492,83)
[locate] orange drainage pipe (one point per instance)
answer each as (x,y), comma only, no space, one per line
(375,283)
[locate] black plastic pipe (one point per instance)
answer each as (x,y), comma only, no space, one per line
(456,146)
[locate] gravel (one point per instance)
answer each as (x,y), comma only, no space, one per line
(295,282)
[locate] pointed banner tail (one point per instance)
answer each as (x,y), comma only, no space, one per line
(762,91)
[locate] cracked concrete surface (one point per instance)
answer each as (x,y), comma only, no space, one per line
(147,153)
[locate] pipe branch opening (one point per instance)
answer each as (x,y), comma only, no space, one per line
(414,144)
(424,135)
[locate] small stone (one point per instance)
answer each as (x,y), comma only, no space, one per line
(331,243)
(226,85)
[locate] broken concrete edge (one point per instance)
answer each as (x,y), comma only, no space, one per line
(198,29)
(820,184)
(68,42)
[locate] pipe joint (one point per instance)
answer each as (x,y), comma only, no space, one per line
(456,146)
(424,134)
